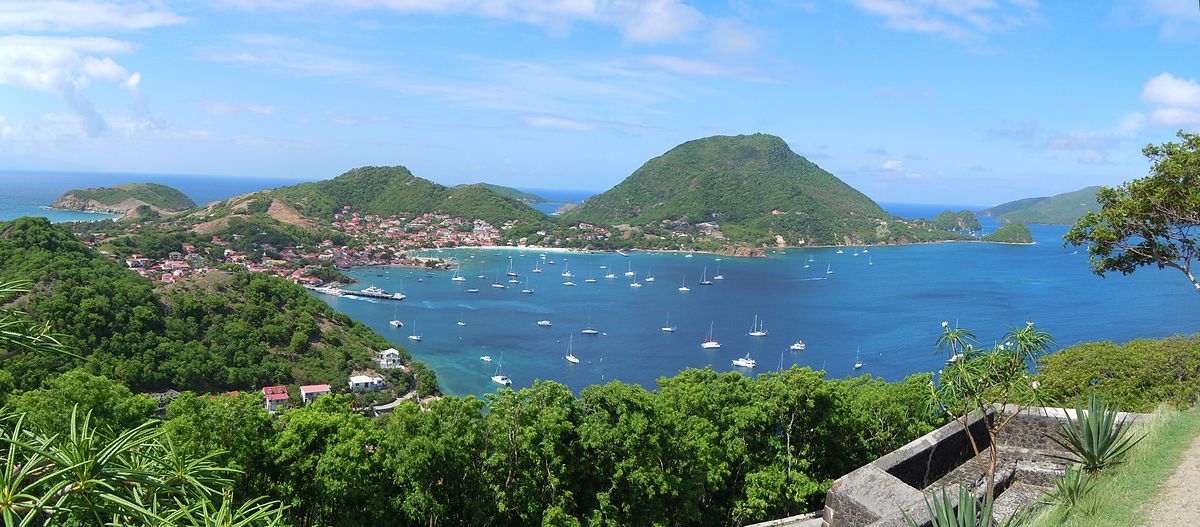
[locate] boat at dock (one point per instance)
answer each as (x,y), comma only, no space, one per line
(374,292)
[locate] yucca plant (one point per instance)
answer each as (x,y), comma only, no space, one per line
(1069,492)
(970,512)
(1096,439)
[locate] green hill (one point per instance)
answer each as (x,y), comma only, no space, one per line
(216,332)
(509,192)
(963,220)
(122,199)
(755,188)
(392,190)
(1015,232)
(1062,209)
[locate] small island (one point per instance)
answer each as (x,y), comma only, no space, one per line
(1015,232)
(128,199)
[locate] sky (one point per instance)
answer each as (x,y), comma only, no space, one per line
(920,101)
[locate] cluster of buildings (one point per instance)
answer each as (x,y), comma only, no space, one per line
(407,231)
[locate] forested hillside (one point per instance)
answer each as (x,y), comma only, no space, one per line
(392,190)
(220,331)
(1061,209)
(755,188)
(158,196)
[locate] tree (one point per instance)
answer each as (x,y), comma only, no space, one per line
(978,381)
(1148,221)
(18,332)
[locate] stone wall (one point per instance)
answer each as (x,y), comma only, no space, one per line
(881,492)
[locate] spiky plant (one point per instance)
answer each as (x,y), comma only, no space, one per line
(970,512)
(1096,438)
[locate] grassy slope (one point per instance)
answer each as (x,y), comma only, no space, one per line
(1124,494)
(737,181)
(1011,233)
(1062,209)
(161,196)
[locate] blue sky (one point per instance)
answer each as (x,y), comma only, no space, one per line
(935,101)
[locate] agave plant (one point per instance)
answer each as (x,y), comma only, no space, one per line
(970,511)
(1069,493)
(1095,439)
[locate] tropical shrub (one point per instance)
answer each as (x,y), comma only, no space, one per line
(1095,439)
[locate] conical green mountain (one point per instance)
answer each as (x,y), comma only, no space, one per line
(753,186)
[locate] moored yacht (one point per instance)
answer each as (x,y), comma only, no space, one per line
(797,346)
(570,353)
(709,342)
(744,362)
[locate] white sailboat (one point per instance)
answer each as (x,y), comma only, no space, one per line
(456,276)
(703,277)
(635,283)
(395,321)
(500,378)
(527,289)
(567,271)
(571,358)
(869,260)
(684,288)
(461,322)
(667,327)
(589,330)
(414,336)
(858,363)
(590,279)
(497,283)
(839,251)
(709,342)
(756,329)
(718,276)
(569,283)
(536,265)
(745,362)
(510,271)
(630,271)
(649,277)
(829,268)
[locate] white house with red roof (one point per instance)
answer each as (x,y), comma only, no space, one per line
(310,392)
(275,398)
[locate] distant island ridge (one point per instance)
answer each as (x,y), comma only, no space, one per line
(1060,209)
(125,199)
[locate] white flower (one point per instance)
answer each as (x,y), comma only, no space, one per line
(945,324)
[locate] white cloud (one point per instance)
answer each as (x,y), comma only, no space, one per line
(733,36)
(556,123)
(66,66)
(640,21)
(962,20)
(893,165)
(1176,100)
(82,15)
(287,54)
(227,108)
(684,66)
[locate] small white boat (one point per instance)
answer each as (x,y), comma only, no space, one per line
(569,283)
(829,269)
(688,255)
(513,281)
(744,362)
(709,342)
(473,290)
(536,264)
(797,346)
(497,283)
(630,271)
(456,276)
(571,354)
(589,330)
(869,262)
(756,328)
(667,327)
(864,250)
(510,271)
(858,363)
(486,358)
(590,279)
(527,289)
(544,323)
(839,251)
(610,276)
(683,288)
(703,279)
(483,277)
(718,276)
(395,321)
(649,277)
(414,336)
(500,378)
(635,283)
(604,267)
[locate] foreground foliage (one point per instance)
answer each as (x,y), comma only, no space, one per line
(1137,375)
(1096,438)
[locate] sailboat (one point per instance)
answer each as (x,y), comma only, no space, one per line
(869,261)
(609,276)
(858,363)
(527,290)
(703,280)
(635,283)
(456,276)
(571,358)
(667,327)
(395,322)
(497,283)
(684,288)
(537,264)
(500,378)
(718,276)
(414,336)
(461,322)
(808,261)
(829,269)
(590,279)
(839,251)
(709,343)
(744,362)
(567,272)
(589,330)
(649,277)
(510,271)
(756,329)
(630,271)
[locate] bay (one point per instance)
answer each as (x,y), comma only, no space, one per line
(888,302)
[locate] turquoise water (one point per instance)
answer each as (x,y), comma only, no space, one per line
(891,310)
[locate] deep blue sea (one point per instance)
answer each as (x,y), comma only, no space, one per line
(886,304)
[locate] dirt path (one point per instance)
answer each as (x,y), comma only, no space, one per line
(1177,505)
